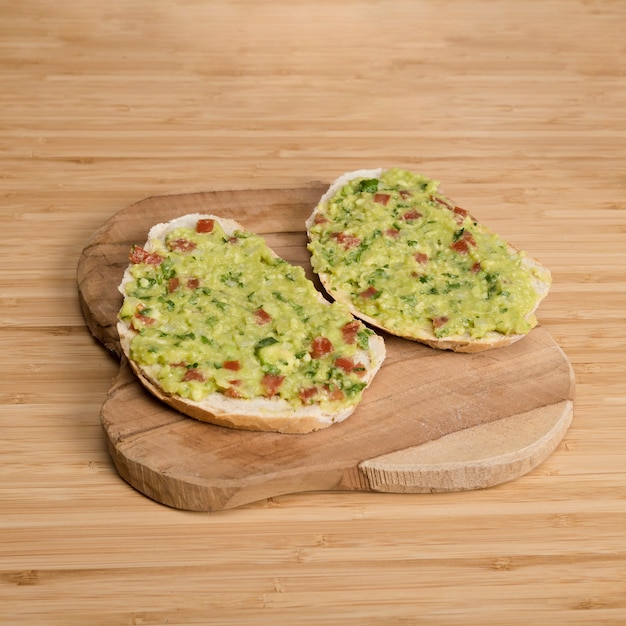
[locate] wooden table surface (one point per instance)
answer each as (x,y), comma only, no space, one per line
(518,107)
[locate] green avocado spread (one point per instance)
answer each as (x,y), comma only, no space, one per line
(413,261)
(215,312)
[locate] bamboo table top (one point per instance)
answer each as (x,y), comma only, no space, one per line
(517,107)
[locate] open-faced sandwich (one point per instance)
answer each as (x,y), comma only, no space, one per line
(217,326)
(408,260)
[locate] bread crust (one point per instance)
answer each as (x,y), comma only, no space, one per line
(457,343)
(258,414)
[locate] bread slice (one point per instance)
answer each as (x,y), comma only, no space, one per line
(407,260)
(217,326)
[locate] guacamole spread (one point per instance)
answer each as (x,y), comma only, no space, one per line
(406,256)
(218,312)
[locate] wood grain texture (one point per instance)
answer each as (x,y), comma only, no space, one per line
(420,394)
(517,107)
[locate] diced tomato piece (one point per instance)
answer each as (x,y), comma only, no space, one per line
(172,284)
(370,292)
(469,238)
(421,257)
(307,394)
(154,259)
(140,255)
(462,245)
(205,226)
(345,363)
(193,374)
(348,366)
(262,316)
(442,202)
(413,214)
(476,267)
(193,283)
(231,392)
(392,232)
(335,393)
(382,198)
(271,383)
(321,346)
(350,330)
(460,214)
(320,218)
(235,366)
(181,245)
(145,320)
(438,322)
(359,369)
(137,254)
(347,241)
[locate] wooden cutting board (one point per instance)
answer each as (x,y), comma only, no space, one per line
(431,420)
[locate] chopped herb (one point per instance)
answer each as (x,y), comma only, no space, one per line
(298,308)
(222,306)
(351,389)
(211,321)
(167,268)
(369,185)
(363,338)
(232,279)
(263,343)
